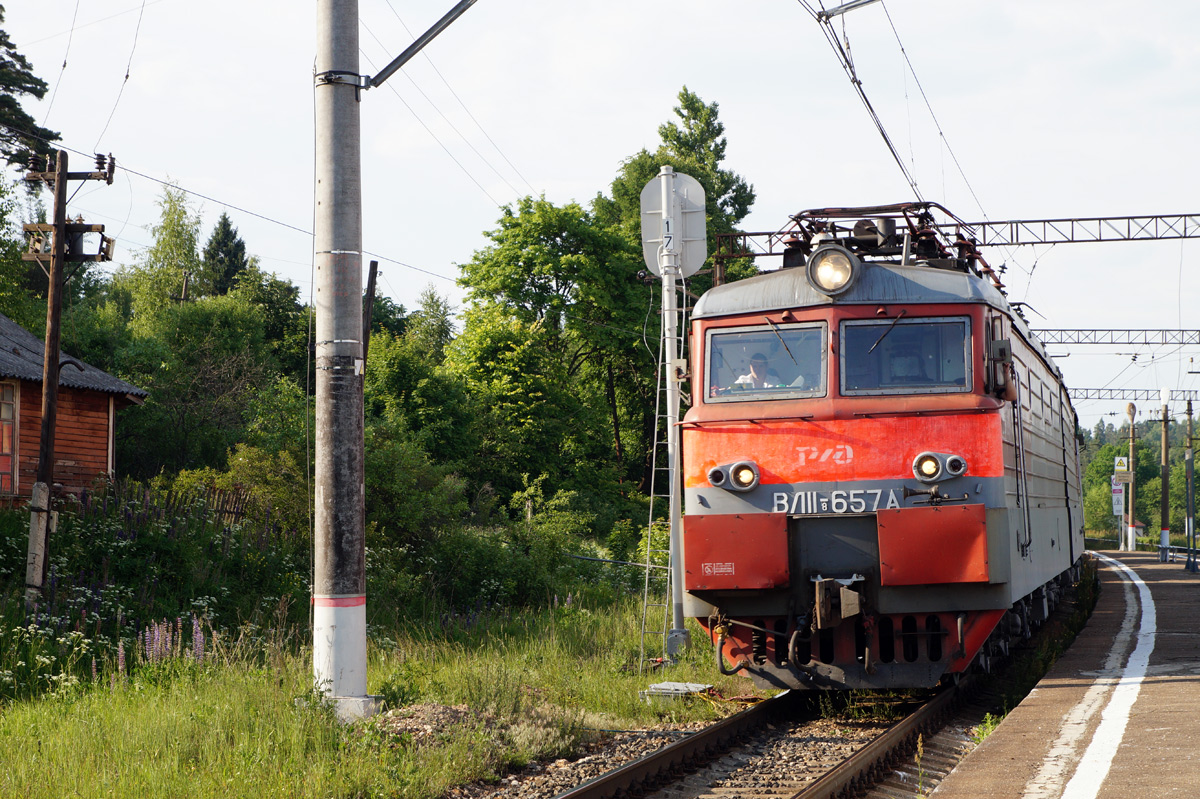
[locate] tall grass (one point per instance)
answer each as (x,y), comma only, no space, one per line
(170,656)
(242,721)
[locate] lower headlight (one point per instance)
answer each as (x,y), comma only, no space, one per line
(743,476)
(927,467)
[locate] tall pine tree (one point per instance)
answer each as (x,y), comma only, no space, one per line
(224,259)
(19,134)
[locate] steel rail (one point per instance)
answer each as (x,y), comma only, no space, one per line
(711,740)
(864,768)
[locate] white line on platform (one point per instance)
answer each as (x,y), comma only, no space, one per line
(1048,782)
(1093,768)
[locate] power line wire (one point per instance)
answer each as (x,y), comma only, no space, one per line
(62,71)
(238,208)
(932,115)
(93,22)
(137,30)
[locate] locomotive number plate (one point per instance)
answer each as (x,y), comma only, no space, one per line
(856,500)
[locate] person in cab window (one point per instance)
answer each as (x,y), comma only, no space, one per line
(759,376)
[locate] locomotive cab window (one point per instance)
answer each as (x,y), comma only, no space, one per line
(906,356)
(766,362)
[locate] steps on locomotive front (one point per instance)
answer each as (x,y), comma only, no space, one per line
(1115,716)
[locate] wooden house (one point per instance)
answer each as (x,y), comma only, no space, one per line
(88,401)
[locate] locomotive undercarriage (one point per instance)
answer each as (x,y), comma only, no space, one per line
(872,651)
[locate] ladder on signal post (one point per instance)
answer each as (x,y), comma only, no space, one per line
(656,595)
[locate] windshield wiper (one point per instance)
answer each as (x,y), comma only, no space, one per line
(883,335)
(781,341)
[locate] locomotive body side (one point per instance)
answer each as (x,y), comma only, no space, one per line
(815,551)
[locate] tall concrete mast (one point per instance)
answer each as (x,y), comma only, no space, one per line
(339,568)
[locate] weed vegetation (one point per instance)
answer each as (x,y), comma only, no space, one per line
(170,656)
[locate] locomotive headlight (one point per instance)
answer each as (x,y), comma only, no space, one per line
(740,476)
(832,269)
(743,476)
(956,465)
(927,467)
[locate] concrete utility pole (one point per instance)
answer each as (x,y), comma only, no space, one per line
(1131,530)
(339,561)
(1164,541)
(339,568)
(41,519)
(1190,519)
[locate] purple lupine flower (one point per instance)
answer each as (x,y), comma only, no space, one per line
(197,640)
(94,675)
(121,657)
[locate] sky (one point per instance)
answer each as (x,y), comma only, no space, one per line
(1005,110)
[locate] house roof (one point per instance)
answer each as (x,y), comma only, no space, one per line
(21,356)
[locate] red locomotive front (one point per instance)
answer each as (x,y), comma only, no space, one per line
(857,503)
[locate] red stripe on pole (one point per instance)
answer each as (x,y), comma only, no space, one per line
(340,601)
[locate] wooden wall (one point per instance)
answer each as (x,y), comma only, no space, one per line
(81,438)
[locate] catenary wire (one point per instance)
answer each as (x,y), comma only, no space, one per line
(461,103)
(429,130)
(516,192)
(847,63)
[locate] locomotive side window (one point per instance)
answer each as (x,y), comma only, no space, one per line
(906,356)
(765,362)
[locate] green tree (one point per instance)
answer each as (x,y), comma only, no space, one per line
(527,413)
(557,268)
(17,301)
(19,133)
(388,316)
(695,145)
(202,363)
(431,326)
(224,259)
(285,319)
(157,280)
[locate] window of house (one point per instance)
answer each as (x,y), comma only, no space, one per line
(8,437)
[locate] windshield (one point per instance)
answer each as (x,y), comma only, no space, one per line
(766,362)
(905,356)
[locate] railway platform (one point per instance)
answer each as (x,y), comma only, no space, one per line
(1119,715)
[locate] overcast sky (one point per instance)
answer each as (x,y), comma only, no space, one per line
(1075,108)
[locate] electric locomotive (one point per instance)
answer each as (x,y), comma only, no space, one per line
(880,466)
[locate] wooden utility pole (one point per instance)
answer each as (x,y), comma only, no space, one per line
(65,246)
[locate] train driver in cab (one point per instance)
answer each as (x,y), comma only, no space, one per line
(759,376)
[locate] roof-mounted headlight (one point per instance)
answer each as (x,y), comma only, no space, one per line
(833,269)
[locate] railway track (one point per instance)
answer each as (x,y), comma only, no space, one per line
(776,751)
